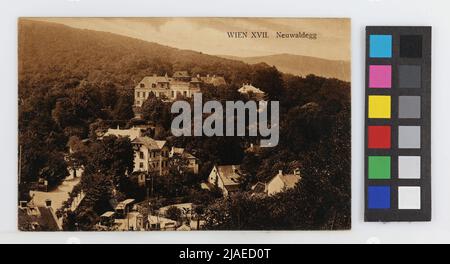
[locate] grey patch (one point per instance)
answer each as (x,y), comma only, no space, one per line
(409,76)
(409,167)
(409,137)
(409,107)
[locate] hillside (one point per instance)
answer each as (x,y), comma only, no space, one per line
(302,65)
(50,50)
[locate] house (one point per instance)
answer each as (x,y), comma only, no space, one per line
(42,218)
(252,91)
(169,88)
(107,219)
(132,133)
(133,221)
(226,178)
(150,155)
(213,80)
(156,222)
(192,161)
(259,188)
(123,208)
(282,182)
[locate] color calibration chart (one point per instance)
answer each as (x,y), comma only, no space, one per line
(398,124)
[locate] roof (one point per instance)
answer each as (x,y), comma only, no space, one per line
(259,187)
(128,201)
(45,217)
(107,214)
(229,174)
(196,80)
(149,142)
(181,206)
(184,228)
(214,80)
(153,219)
(124,203)
(181,74)
(132,133)
(149,80)
(182,152)
(247,88)
(289,180)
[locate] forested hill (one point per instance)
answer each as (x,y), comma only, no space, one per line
(302,65)
(51,51)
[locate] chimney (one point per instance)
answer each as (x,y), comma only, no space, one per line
(118,127)
(198,75)
(48,203)
(207,75)
(280,172)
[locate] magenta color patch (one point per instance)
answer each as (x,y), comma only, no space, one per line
(380,76)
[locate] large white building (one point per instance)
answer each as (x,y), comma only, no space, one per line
(169,88)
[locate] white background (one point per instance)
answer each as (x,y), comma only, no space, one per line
(435,13)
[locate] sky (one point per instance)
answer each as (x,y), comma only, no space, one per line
(209,35)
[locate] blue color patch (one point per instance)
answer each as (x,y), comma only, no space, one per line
(379,197)
(380,46)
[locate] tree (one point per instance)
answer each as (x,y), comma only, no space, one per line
(156,112)
(174,213)
(269,81)
(124,108)
(55,169)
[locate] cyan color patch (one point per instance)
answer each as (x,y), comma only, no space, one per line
(380,46)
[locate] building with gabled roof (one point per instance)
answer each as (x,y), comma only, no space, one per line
(192,161)
(150,155)
(226,177)
(170,88)
(38,218)
(213,80)
(282,182)
(251,90)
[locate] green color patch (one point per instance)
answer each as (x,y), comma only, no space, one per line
(379,167)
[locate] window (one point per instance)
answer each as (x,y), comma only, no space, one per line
(142,85)
(141,155)
(153,85)
(184,93)
(141,165)
(138,94)
(173,94)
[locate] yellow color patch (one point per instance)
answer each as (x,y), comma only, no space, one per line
(379,106)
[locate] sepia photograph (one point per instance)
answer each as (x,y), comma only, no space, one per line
(183,124)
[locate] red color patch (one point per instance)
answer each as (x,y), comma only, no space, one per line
(379,137)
